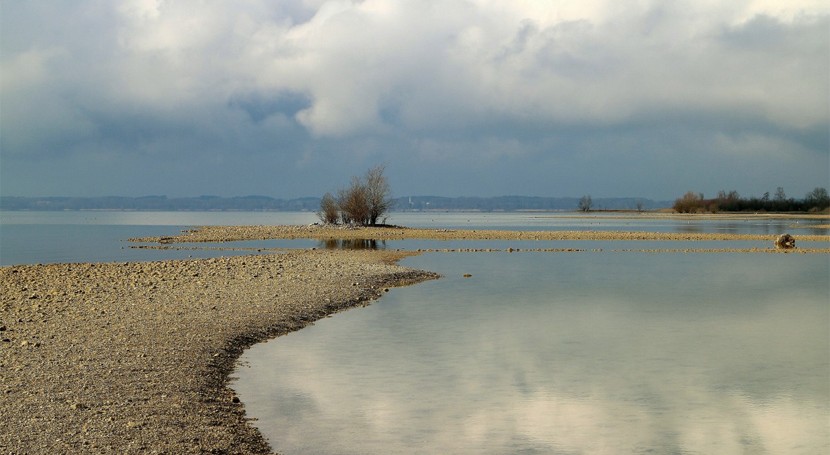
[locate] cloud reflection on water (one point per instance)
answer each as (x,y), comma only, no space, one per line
(671,353)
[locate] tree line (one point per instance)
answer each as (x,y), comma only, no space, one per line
(815,201)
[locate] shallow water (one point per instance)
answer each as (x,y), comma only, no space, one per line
(50,237)
(561,353)
(91,236)
(581,352)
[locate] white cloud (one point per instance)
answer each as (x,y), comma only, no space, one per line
(449,63)
(458,62)
(480,78)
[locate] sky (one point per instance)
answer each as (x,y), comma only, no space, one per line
(292,98)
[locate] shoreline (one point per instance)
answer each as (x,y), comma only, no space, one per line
(210,234)
(136,357)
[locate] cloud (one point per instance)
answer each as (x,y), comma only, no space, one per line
(466,63)
(470,79)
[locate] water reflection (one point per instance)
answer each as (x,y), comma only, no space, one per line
(353,244)
(547,353)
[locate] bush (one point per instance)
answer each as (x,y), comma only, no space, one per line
(691,202)
(329,210)
(364,202)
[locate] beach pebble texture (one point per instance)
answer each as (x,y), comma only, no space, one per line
(135,357)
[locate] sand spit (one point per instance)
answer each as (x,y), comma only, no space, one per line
(321,232)
(529,250)
(135,357)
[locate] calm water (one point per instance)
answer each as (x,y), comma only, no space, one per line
(47,237)
(562,353)
(586,352)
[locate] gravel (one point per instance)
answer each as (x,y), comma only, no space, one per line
(135,357)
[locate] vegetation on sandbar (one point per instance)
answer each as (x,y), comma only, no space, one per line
(691,202)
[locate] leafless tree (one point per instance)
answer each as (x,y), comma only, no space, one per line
(585,203)
(354,206)
(378,194)
(363,202)
(329,209)
(691,202)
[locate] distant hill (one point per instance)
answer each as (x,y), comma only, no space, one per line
(312,204)
(160,203)
(519,203)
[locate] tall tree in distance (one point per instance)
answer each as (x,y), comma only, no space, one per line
(780,195)
(585,203)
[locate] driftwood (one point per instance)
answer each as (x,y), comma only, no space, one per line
(785,241)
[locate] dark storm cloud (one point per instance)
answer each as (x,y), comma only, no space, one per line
(456,97)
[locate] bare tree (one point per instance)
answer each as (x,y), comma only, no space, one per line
(364,202)
(691,202)
(817,199)
(585,203)
(329,209)
(377,193)
(780,195)
(354,206)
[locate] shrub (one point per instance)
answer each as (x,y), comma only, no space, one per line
(691,202)
(363,202)
(329,210)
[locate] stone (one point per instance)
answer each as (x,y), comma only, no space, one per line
(785,242)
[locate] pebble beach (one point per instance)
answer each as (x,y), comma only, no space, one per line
(136,357)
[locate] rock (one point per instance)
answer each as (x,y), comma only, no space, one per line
(785,241)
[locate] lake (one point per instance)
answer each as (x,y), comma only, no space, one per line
(536,352)
(561,353)
(100,236)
